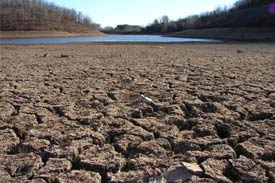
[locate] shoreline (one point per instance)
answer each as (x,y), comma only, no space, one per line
(44,34)
(229,34)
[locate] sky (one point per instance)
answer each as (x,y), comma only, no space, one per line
(139,12)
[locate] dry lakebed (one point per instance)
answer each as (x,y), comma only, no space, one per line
(109,112)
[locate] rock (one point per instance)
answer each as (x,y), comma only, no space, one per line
(8,141)
(215,169)
(177,174)
(79,176)
(145,99)
(246,170)
(192,168)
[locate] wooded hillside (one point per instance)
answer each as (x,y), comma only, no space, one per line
(38,15)
(243,14)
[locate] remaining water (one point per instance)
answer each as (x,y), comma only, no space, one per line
(108,38)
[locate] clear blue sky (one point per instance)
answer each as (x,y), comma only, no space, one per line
(139,12)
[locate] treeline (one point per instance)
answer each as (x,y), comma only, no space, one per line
(24,15)
(244,13)
(123,29)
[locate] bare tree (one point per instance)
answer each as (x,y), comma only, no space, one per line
(41,15)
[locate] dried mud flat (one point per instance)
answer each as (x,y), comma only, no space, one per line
(81,117)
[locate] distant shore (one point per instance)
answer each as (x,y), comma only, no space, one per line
(41,34)
(231,34)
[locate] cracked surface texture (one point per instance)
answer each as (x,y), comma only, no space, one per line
(88,117)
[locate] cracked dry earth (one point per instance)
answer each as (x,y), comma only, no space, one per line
(80,117)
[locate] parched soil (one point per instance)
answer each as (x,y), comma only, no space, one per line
(137,113)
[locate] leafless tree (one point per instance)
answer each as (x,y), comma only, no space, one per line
(41,15)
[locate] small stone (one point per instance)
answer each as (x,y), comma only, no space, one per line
(177,174)
(192,168)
